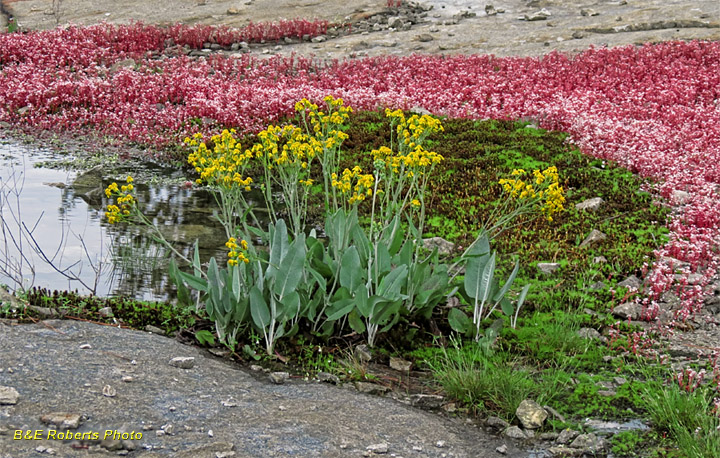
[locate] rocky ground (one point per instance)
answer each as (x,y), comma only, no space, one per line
(504,27)
(58,375)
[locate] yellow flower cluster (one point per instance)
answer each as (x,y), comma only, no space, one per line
(546,188)
(320,121)
(413,131)
(124,200)
(415,159)
(354,183)
(298,149)
(223,165)
(236,251)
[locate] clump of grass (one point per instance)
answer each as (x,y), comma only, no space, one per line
(687,418)
(488,384)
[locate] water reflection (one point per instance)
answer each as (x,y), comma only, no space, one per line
(49,223)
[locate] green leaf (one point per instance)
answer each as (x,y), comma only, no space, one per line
(396,236)
(228,304)
(196,283)
(197,267)
(386,310)
(487,279)
(335,229)
(500,294)
(259,308)
(473,274)
(506,306)
(215,285)
(205,337)
(290,270)
(322,266)
(458,321)
(241,308)
(480,247)
(355,322)
(235,272)
(339,309)
(478,277)
(351,272)
(392,283)
(319,279)
(523,294)
(314,248)
(381,264)
(257,232)
(405,255)
(182,292)
(311,309)
(291,305)
(361,242)
(278,247)
(361,300)
(393,322)
(295,328)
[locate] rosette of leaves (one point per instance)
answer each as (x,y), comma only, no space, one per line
(270,293)
(481,289)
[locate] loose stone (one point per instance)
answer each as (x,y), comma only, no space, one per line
(590,204)
(400,364)
(8,395)
(530,414)
(62,420)
(183,362)
(378,448)
(362,353)
(109,391)
(588,333)
(548,267)
(515,432)
(427,401)
(443,246)
(595,236)
(627,310)
(328,378)
(279,378)
(566,436)
(589,443)
(154,330)
(496,422)
(631,282)
(371,388)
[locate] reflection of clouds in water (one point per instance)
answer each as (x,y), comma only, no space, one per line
(55,216)
(140,267)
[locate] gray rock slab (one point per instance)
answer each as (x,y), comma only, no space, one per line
(52,374)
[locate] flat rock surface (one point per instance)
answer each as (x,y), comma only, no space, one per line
(210,408)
